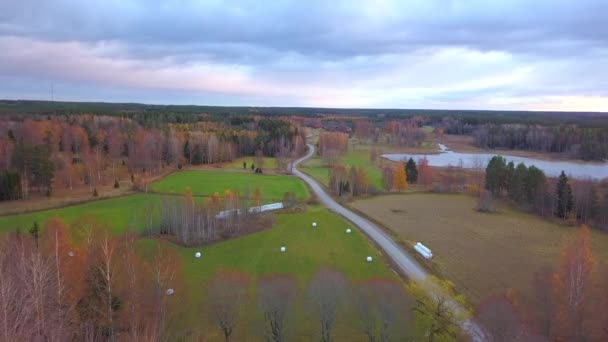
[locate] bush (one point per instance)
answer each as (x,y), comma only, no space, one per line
(116,184)
(179,166)
(95,194)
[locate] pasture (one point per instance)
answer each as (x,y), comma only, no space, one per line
(482,253)
(358,158)
(206,183)
(308,250)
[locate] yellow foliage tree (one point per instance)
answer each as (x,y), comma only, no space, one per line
(400,178)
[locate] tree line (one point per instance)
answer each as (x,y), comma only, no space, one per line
(587,143)
(583,200)
(38,154)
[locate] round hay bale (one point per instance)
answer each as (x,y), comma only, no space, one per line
(314,224)
(369,259)
(197,255)
(283,249)
(348,231)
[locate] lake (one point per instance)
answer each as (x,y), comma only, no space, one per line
(447,157)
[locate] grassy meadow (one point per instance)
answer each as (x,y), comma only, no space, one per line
(358,158)
(482,253)
(308,250)
(206,183)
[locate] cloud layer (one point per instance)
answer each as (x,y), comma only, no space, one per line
(418,54)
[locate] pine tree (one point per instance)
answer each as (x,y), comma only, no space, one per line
(496,172)
(564,197)
(411,171)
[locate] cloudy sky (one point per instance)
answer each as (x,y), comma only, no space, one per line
(465,54)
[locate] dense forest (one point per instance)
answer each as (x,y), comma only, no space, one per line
(39,153)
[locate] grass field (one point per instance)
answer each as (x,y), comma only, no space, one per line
(269,163)
(308,249)
(481,253)
(320,172)
(205,183)
(118,213)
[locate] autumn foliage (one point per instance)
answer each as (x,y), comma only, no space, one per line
(400,178)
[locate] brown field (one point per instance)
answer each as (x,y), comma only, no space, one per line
(481,253)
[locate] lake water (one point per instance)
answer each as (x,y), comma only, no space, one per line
(473,160)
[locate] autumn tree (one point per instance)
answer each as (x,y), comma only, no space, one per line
(387,178)
(326,294)
(573,288)
(400,178)
(384,310)
(500,319)
(436,312)
(425,173)
(276,294)
(227,295)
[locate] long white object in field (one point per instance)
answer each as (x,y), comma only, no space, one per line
(423,250)
(266,207)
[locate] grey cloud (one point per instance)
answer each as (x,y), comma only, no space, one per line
(250,31)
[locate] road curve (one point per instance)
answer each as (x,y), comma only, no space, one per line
(404,261)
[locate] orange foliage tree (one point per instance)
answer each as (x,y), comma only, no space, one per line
(425,173)
(573,285)
(400,178)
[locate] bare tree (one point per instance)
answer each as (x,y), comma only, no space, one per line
(500,320)
(326,294)
(383,309)
(227,293)
(276,294)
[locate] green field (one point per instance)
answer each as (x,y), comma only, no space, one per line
(269,164)
(206,183)
(315,167)
(308,249)
(117,213)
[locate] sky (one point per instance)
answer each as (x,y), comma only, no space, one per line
(434,54)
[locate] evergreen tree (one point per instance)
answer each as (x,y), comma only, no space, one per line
(411,171)
(187,150)
(517,184)
(535,182)
(496,175)
(35,232)
(564,197)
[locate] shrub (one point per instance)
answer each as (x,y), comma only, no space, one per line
(116,184)
(95,194)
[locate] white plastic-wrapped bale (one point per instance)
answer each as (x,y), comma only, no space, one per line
(348,231)
(369,259)
(314,224)
(283,249)
(423,250)
(197,255)
(170,292)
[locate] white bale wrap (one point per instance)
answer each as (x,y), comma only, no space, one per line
(283,249)
(369,259)
(423,250)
